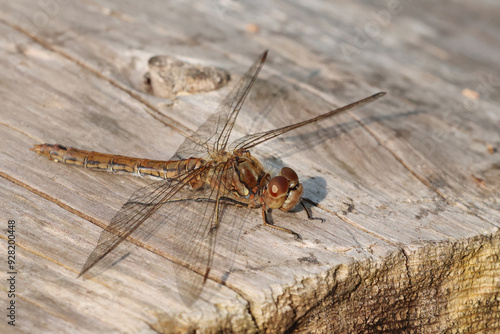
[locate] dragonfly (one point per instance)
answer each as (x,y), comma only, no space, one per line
(204,180)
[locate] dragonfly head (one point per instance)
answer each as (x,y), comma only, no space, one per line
(283,191)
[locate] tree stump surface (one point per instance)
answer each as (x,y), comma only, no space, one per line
(408,186)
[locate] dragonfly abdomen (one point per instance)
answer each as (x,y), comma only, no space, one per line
(117,163)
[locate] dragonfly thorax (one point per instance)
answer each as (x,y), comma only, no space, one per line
(252,182)
(249,176)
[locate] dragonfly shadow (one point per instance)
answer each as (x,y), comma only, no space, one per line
(314,189)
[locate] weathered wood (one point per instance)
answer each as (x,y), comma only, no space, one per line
(409,186)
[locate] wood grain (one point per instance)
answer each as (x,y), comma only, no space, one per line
(409,186)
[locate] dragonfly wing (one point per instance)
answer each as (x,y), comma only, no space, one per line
(199,220)
(255,139)
(176,222)
(209,224)
(134,221)
(213,135)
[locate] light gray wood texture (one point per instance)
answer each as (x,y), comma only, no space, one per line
(409,186)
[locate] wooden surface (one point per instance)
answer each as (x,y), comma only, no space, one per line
(409,186)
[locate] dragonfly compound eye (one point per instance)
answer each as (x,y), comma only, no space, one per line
(293,198)
(295,189)
(276,192)
(290,175)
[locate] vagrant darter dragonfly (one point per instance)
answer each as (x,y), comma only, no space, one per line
(204,177)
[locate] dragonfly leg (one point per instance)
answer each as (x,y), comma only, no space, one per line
(309,213)
(266,223)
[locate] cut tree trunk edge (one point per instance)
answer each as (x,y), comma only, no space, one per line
(438,287)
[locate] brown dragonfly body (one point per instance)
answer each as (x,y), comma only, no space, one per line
(244,176)
(205,177)
(117,163)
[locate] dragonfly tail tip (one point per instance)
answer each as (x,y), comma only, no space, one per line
(36,148)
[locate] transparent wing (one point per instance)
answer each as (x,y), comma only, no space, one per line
(180,222)
(129,222)
(213,135)
(255,139)
(195,242)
